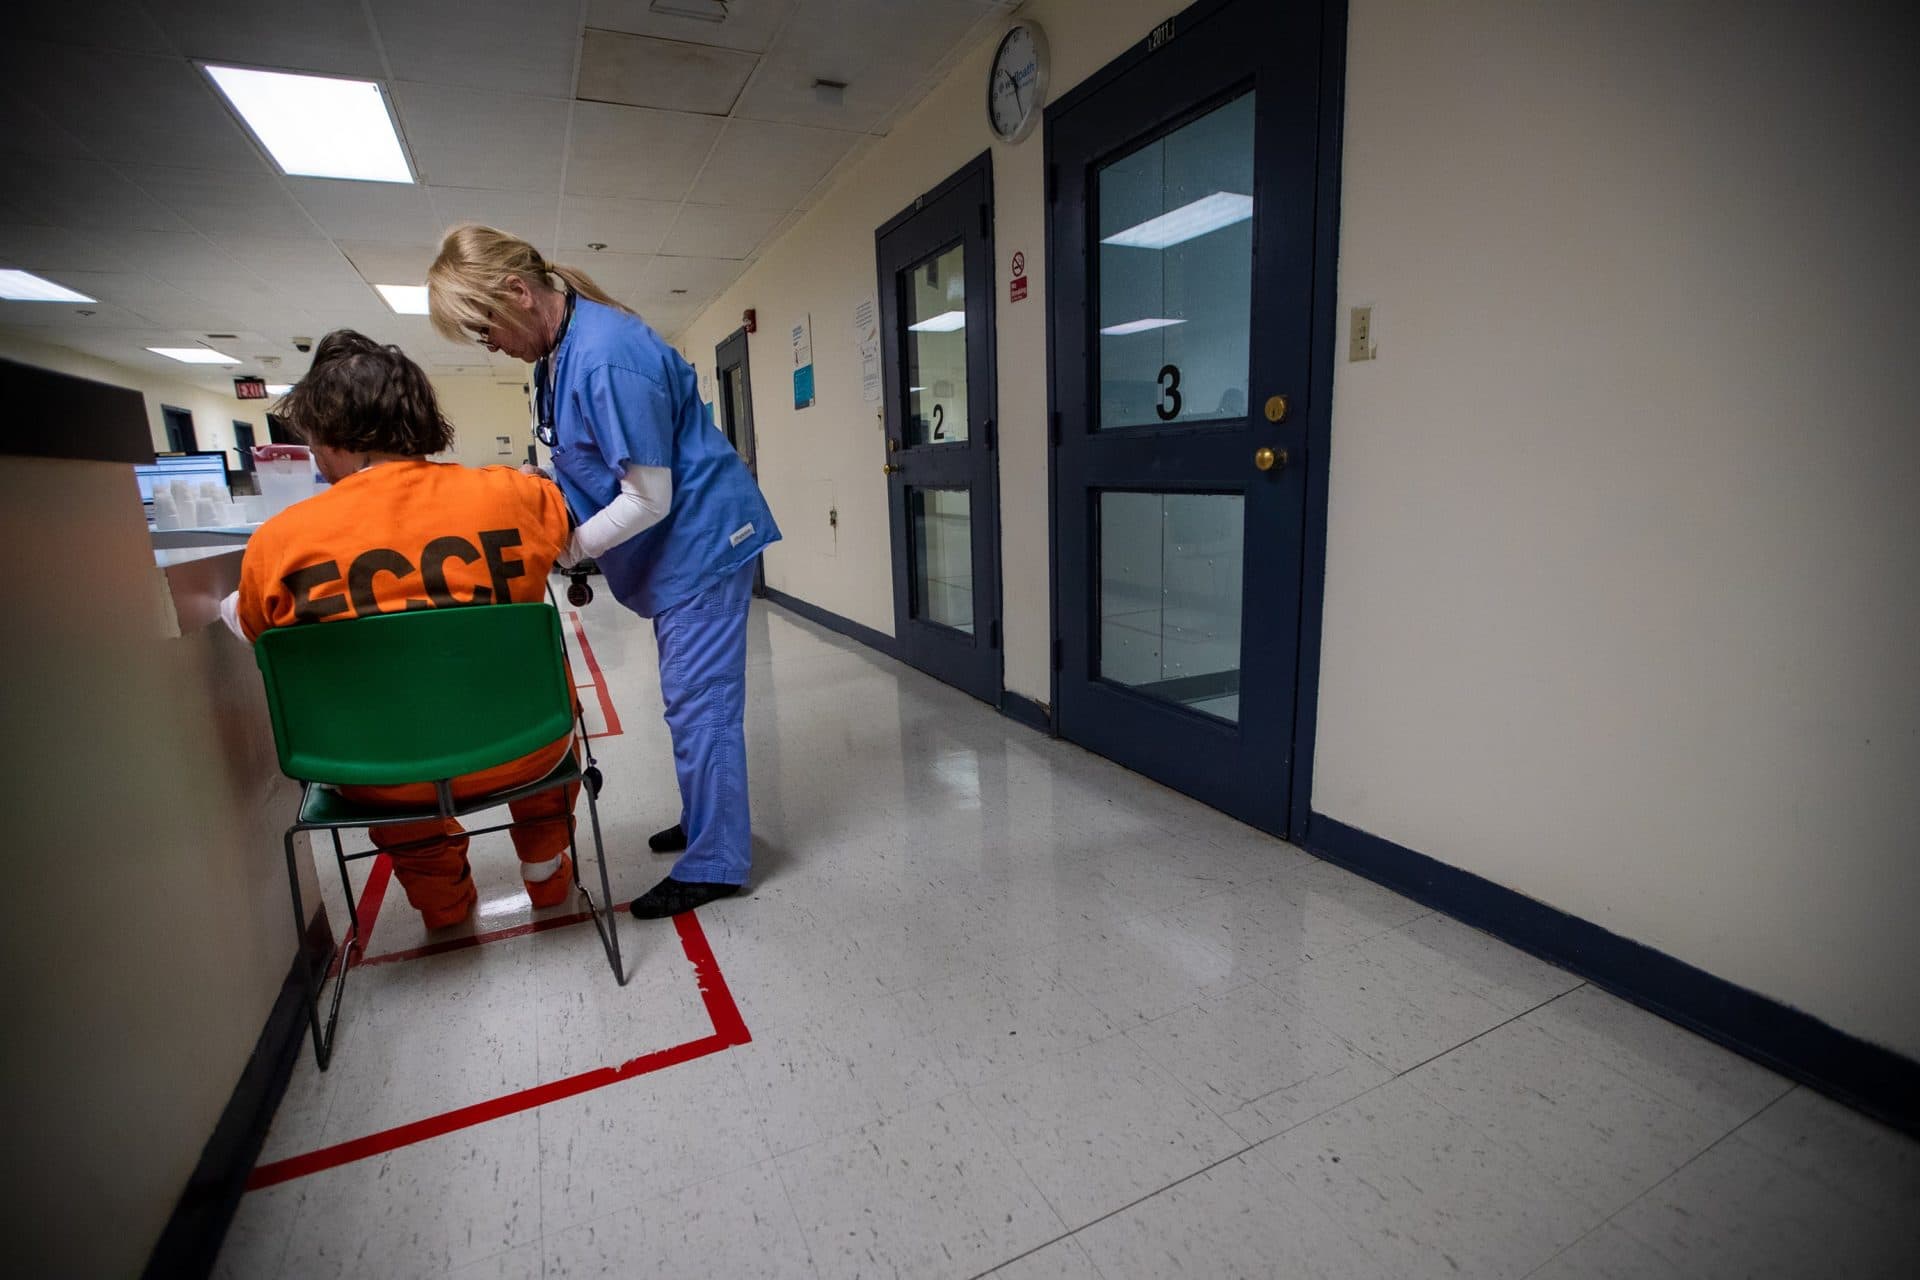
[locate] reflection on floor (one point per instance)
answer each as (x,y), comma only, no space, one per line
(1012,1007)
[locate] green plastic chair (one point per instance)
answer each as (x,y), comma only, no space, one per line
(415,697)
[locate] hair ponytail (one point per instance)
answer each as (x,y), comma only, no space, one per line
(467,283)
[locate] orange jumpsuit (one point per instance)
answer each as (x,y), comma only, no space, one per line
(417,535)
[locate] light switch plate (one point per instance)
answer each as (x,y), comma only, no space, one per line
(1360,335)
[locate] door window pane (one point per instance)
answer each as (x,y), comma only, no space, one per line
(943,557)
(934,304)
(1176,274)
(735,394)
(1170,576)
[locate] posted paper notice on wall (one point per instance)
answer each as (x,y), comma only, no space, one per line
(803,363)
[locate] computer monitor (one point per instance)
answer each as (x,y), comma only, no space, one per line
(194,468)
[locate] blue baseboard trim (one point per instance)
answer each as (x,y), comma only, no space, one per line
(834,622)
(1012,705)
(189,1244)
(1798,1045)
(1032,714)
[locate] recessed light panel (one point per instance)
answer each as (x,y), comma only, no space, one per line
(405,299)
(1139,326)
(1188,222)
(318,126)
(193,355)
(24,286)
(945,322)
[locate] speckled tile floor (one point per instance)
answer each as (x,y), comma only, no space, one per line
(1015,1010)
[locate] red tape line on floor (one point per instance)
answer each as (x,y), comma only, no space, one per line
(729,1029)
(607,712)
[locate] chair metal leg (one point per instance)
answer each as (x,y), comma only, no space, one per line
(609,931)
(315,982)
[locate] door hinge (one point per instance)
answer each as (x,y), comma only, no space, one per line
(986,222)
(1053,183)
(987,430)
(1056,653)
(993,634)
(1053,429)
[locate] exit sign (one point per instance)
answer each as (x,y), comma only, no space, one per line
(250,388)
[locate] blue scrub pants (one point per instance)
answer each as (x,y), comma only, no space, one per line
(703,677)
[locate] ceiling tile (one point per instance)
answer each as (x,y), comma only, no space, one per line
(158,303)
(56,249)
(624,226)
(718,231)
(66,317)
(99,24)
(395,212)
(700,277)
(391,263)
(631,151)
(219,202)
(330,36)
(750,24)
(758,165)
(641,71)
(183,259)
(531,215)
(131,107)
(26,130)
(472,138)
(85,195)
(508,46)
(623,275)
(881,50)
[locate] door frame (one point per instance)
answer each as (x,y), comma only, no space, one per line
(953,667)
(731,351)
(1323,340)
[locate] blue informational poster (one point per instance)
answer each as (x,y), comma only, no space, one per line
(803,386)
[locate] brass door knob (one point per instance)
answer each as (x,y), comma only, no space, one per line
(1266,459)
(887,468)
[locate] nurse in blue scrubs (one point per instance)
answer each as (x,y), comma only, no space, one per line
(664,505)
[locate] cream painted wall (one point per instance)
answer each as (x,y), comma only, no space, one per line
(829,456)
(147,928)
(214,413)
(482,409)
(1623,577)
(1621,580)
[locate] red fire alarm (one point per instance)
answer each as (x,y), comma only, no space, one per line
(746,320)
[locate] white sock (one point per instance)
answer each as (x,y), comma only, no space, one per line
(535,872)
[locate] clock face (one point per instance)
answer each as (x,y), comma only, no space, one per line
(1016,83)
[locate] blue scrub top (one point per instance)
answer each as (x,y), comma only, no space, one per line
(622,397)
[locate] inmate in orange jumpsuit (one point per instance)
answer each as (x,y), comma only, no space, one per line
(415,535)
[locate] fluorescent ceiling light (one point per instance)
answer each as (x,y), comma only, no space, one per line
(405,299)
(193,355)
(945,322)
(24,286)
(279,388)
(318,126)
(1138,326)
(1209,213)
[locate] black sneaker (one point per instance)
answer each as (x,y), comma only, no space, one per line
(673,897)
(672,840)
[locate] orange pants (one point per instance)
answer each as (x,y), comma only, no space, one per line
(437,879)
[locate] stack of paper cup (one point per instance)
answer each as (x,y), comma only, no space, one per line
(166,515)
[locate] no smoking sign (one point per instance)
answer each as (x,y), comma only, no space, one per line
(1017,287)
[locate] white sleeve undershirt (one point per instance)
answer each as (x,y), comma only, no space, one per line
(645,497)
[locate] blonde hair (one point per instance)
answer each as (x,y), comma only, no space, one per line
(467,283)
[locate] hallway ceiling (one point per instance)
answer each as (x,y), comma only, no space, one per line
(684,146)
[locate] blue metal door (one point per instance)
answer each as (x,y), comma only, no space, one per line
(1182,259)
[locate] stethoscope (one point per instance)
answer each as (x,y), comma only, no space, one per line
(543,383)
(579,594)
